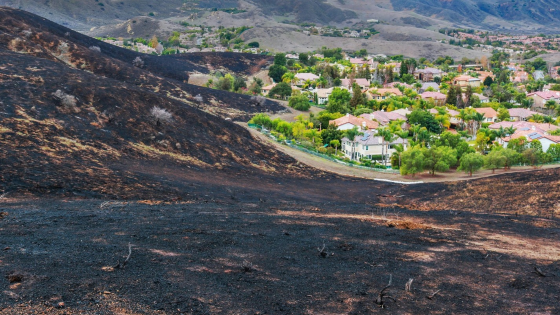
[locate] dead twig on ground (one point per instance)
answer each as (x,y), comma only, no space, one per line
(539,272)
(119,265)
(322,251)
(431,296)
(408,285)
(2,196)
(383,295)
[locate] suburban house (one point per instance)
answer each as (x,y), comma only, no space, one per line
(348,122)
(490,115)
(520,76)
(402,111)
(266,89)
(384,118)
(520,114)
(453,113)
(466,80)
(301,78)
(323,95)
(368,145)
(545,139)
(483,99)
(436,97)
(541,98)
(427,74)
(397,84)
(363,83)
(524,125)
(381,94)
(427,85)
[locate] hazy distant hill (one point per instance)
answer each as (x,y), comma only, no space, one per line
(512,15)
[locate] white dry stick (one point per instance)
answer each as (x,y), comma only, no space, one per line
(408,285)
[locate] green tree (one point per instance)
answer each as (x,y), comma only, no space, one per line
(280,59)
(424,119)
(298,129)
(324,117)
(454,141)
(261,120)
(554,151)
(495,159)
(470,163)
(226,82)
(357,96)
(335,144)
(281,89)
(239,83)
(439,159)
(299,102)
(338,101)
(519,144)
(503,114)
(331,133)
(488,81)
(537,145)
(412,161)
(276,72)
(511,157)
(451,98)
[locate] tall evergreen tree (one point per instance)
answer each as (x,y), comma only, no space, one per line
(459,95)
(451,96)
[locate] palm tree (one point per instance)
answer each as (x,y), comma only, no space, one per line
(500,133)
(548,120)
(322,82)
(510,130)
(288,77)
(424,136)
(536,118)
(399,149)
(415,130)
(385,135)
(351,134)
(550,105)
(463,116)
(478,118)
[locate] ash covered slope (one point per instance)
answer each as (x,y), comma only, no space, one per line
(76,120)
(28,33)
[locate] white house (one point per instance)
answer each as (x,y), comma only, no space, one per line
(368,145)
(323,95)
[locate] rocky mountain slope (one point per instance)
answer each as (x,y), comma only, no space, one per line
(514,16)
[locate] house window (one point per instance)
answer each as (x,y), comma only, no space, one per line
(367,147)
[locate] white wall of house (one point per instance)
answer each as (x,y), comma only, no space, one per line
(346,126)
(322,100)
(546,143)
